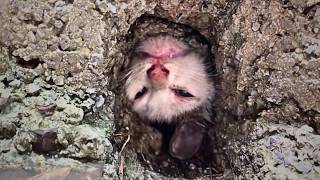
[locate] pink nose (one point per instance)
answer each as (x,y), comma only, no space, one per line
(157,72)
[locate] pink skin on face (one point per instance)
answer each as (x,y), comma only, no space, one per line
(157,70)
(168,50)
(162,47)
(162,53)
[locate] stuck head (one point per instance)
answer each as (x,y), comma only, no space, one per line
(167,79)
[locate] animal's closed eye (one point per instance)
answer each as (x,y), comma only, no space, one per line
(182,93)
(141,93)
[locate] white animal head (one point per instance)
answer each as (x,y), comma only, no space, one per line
(167,79)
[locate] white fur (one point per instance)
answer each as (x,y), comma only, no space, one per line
(186,72)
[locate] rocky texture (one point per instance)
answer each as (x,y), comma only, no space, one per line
(278,151)
(85,142)
(275,83)
(281,57)
(60,67)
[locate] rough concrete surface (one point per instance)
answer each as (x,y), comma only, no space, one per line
(60,81)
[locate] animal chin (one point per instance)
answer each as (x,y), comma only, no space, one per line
(168,118)
(169,115)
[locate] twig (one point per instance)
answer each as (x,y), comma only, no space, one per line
(125,143)
(120,134)
(121,166)
(214,169)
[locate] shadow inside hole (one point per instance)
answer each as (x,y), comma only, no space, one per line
(30,64)
(203,163)
(167,131)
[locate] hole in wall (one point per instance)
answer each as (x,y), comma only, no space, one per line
(69,1)
(151,140)
(168,165)
(30,64)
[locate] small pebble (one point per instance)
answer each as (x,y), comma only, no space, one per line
(303,167)
(192,166)
(317,157)
(7,129)
(58,24)
(61,103)
(15,83)
(100,101)
(255,26)
(3,101)
(90,90)
(59,80)
(165,163)
(102,6)
(88,103)
(109,169)
(311,49)
(10,77)
(33,89)
(112,8)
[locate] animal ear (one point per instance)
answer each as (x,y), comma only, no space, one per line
(187,139)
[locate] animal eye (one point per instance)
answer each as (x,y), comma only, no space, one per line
(182,93)
(142,92)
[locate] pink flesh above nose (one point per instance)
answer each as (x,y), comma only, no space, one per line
(169,54)
(164,53)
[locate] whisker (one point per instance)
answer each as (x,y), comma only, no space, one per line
(135,73)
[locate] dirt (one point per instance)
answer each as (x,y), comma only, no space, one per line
(61,65)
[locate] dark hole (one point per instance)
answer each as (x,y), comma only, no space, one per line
(276,165)
(307,10)
(205,5)
(205,162)
(33,22)
(31,64)
(286,2)
(69,1)
(50,81)
(69,74)
(5,82)
(167,131)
